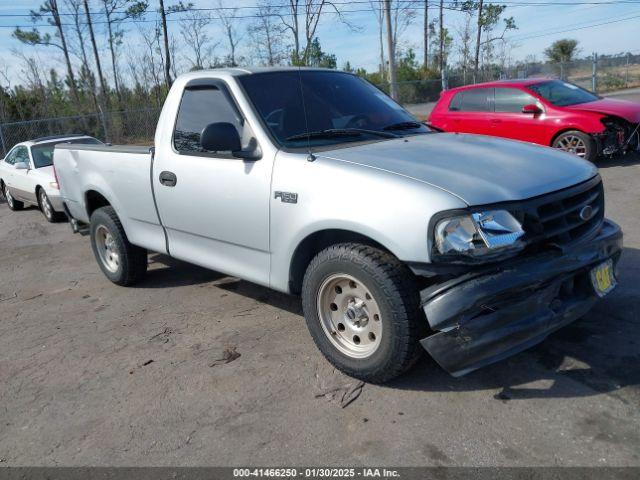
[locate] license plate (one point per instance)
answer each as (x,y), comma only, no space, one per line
(603,279)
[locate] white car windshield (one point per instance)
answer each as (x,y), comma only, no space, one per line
(43,154)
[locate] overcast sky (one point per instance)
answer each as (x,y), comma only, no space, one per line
(538,26)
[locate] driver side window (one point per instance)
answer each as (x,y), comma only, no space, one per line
(199,107)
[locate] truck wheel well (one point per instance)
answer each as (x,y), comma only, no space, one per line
(315,243)
(95,200)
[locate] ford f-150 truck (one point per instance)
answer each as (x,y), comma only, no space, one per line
(314,182)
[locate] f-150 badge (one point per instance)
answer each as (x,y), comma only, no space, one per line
(287,197)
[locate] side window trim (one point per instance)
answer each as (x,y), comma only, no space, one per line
(208,84)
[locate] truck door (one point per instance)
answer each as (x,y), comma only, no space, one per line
(214,206)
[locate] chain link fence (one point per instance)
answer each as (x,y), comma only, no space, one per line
(131,127)
(603,74)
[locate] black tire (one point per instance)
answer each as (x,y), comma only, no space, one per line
(132,263)
(393,286)
(590,146)
(12,203)
(47,209)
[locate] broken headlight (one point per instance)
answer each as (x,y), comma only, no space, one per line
(478,235)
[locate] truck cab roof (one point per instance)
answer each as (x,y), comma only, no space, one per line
(242,71)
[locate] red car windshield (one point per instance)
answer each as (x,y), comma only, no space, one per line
(562,94)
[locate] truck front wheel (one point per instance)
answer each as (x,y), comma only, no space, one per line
(122,263)
(361,306)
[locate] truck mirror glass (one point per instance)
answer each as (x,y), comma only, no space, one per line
(220,137)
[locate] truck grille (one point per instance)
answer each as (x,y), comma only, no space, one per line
(564,217)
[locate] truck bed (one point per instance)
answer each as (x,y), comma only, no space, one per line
(119,173)
(137,149)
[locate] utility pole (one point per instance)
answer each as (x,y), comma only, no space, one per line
(167,54)
(442,37)
(443,78)
(392,51)
(478,37)
(594,73)
(626,73)
(426,34)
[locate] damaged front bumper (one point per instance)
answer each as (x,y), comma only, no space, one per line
(618,137)
(485,316)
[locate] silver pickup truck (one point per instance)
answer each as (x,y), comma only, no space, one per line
(314,182)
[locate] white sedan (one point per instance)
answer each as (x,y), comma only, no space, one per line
(27,175)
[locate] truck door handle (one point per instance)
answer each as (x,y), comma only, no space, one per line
(168,179)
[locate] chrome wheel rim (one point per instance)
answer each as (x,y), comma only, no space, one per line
(572,144)
(107,249)
(349,315)
(9,197)
(44,203)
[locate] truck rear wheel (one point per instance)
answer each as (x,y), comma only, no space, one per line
(361,306)
(122,263)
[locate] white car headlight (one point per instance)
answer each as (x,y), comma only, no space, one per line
(478,234)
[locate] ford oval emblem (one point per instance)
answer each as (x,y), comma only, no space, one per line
(586,213)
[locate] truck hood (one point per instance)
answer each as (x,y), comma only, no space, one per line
(630,111)
(475,168)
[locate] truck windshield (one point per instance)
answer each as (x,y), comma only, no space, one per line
(337,108)
(562,94)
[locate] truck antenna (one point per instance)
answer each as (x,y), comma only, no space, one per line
(310,157)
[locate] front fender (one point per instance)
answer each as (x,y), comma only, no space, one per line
(589,123)
(392,210)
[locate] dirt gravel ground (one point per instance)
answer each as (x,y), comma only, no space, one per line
(95,374)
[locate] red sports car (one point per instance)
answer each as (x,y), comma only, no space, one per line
(548,112)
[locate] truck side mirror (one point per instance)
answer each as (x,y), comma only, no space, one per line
(21,166)
(532,109)
(220,137)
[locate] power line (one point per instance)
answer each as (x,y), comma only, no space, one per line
(533,35)
(234,17)
(577,28)
(450,5)
(523,35)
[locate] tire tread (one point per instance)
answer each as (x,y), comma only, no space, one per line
(134,258)
(396,281)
